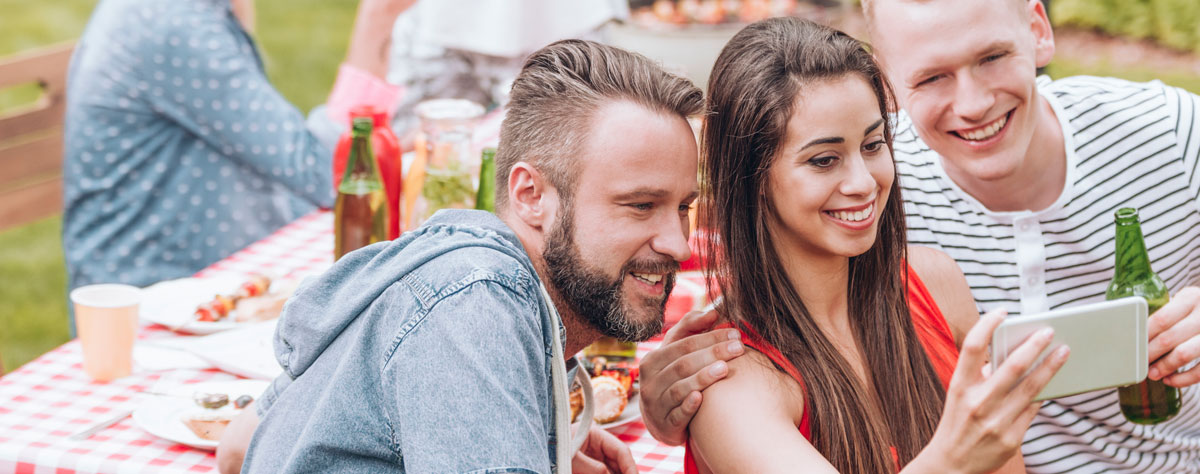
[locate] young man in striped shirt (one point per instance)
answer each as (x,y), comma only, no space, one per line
(1017,178)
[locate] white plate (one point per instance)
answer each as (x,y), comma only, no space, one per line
(247,351)
(173,303)
(633,412)
(162,416)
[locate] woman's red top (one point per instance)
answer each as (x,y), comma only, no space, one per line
(931,328)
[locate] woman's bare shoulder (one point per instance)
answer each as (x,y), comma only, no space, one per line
(948,286)
(754,378)
(748,422)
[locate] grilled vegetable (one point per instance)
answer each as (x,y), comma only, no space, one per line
(211,401)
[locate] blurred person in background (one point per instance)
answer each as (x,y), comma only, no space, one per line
(178,151)
(467,49)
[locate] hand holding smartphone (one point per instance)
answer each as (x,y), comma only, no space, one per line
(1108,344)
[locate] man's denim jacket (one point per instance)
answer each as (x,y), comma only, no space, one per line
(430,353)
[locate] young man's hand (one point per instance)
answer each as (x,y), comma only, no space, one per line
(1174,332)
(603,453)
(691,358)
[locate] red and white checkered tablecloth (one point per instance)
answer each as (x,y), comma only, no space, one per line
(50,398)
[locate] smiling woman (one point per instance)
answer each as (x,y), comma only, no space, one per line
(856,338)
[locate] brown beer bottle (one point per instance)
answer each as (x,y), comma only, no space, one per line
(360,213)
(1150,401)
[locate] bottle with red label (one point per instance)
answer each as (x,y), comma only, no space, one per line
(387,154)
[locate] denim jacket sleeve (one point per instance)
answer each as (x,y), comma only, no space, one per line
(471,384)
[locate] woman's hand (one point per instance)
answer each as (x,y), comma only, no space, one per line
(986,415)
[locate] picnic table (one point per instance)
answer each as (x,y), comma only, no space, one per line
(50,398)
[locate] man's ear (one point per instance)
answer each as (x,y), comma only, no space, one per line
(530,198)
(1043,34)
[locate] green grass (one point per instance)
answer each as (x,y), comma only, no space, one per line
(33,293)
(302,42)
(26,25)
(1063,67)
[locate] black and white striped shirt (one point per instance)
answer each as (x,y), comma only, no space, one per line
(1127,144)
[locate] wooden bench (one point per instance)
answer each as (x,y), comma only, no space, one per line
(31,137)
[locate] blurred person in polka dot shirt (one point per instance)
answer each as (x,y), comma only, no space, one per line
(179,152)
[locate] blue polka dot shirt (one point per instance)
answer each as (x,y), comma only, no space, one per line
(178,152)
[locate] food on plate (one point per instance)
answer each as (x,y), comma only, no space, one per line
(211,401)
(715,12)
(613,384)
(221,305)
(209,426)
(257,285)
(623,370)
(610,397)
(242,401)
(255,300)
(576,403)
(213,414)
(214,310)
(261,308)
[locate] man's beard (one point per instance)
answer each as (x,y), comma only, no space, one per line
(599,300)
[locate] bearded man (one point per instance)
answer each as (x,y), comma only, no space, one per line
(443,351)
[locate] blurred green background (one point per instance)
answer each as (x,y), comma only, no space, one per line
(1175,23)
(302,43)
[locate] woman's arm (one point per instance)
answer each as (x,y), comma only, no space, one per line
(950,291)
(371,38)
(748,422)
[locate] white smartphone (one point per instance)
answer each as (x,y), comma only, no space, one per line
(1108,344)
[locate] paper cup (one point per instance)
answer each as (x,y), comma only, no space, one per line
(106,321)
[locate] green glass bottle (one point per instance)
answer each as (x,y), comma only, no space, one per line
(1150,401)
(485,197)
(360,213)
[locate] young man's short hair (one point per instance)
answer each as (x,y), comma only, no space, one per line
(556,96)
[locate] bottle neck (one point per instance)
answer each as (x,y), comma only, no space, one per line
(1133,263)
(485,196)
(361,168)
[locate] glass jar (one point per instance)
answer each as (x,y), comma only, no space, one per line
(444,171)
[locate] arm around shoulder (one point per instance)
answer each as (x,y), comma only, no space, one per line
(948,286)
(749,422)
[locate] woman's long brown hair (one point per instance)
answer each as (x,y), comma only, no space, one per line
(752,94)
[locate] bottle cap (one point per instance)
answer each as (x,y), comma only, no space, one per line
(377,115)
